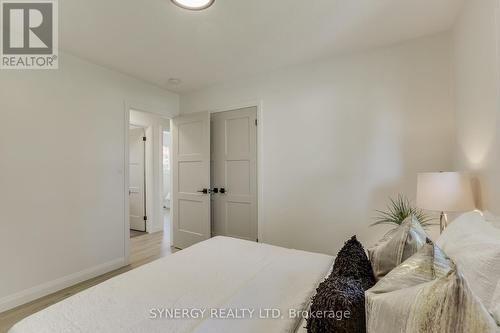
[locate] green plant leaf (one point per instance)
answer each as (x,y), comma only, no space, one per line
(398,210)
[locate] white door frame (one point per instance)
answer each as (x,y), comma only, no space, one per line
(260,158)
(128,105)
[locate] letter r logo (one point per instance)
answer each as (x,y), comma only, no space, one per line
(27,27)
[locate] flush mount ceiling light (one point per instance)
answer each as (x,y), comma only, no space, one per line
(194,4)
(174,81)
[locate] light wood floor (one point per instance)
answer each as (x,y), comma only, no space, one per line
(143,249)
(134,233)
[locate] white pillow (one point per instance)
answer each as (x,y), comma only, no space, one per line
(474,245)
(490,217)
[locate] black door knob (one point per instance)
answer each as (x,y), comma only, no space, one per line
(222,190)
(215,190)
(204,191)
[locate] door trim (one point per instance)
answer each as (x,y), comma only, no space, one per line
(260,159)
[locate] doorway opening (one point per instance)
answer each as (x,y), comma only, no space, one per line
(149,176)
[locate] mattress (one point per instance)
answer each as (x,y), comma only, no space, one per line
(220,285)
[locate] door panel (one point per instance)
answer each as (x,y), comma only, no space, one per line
(238,177)
(190,138)
(191,173)
(239,217)
(234,160)
(191,176)
(189,212)
(238,129)
(137,202)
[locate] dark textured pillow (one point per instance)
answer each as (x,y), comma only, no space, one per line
(341,297)
(338,306)
(353,262)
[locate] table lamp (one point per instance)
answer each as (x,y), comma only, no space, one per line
(444,192)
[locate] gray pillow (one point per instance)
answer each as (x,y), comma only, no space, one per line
(397,246)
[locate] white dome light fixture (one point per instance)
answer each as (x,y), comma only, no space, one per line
(174,81)
(194,4)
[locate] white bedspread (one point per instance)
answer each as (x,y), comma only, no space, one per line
(221,273)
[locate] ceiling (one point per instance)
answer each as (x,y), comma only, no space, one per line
(154,40)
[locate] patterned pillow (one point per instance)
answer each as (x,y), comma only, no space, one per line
(426,294)
(397,246)
(426,265)
(448,306)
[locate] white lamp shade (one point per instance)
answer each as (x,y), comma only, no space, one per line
(445,192)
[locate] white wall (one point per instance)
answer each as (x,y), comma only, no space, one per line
(477,97)
(62,148)
(341,136)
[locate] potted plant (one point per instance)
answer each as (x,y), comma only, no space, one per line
(398,210)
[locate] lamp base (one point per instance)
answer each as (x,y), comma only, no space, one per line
(443,222)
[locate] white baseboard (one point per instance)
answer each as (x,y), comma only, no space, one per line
(30,294)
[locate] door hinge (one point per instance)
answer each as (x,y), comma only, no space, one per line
(143,138)
(256,122)
(145,218)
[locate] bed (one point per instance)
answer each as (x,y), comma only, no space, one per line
(226,277)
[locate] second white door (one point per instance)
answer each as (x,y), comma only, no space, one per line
(234,173)
(137,179)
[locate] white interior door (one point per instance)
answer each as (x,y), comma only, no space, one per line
(234,173)
(191,179)
(137,178)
